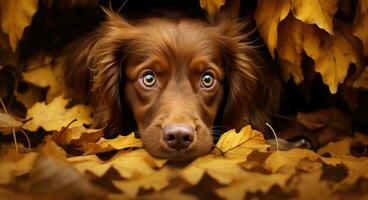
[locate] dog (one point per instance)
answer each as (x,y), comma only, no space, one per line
(177,82)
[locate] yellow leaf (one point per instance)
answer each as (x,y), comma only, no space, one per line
(362,81)
(166,194)
(222,170)
(54,116)
(290,48)
(77,136)
(332,54)
(14,164)
(268,15)
(252,183)
(316,12)
(288,160)
(8,123)
(118,143)
(360,26)
(15,16)
(157,180)
(240,145)
(29,97)
(211,6)
(337,149)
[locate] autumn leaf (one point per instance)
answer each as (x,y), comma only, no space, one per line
(54,116)
(337,149)
(332,54)
(32,95)
(268,15)
(240,145)
(8,123)
(211,6)
(253,182)
(157,180)
(362,81)
(118,143)
(222,170)
(15,16)
(316,12)
(290,48)
(77,136)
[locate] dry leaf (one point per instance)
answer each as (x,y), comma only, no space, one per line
(360,26)
(77,136)
(157,181)
(118,143)
(240,145)
(268,15)
(15,16)
(332,55)
(54,116)
(290,48)
(253,182)
(211,6)
(316,12)
(337,149)
(222,170)
(286,161)
(166,194)
(362,81)
(8,123)
(32,95)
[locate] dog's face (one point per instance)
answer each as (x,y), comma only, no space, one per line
(175,79)
(174,86)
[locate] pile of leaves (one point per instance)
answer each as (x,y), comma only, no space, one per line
(47,150)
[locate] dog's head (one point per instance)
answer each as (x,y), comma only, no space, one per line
(174,80)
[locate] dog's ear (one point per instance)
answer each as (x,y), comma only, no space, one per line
(252,90)
(93,71)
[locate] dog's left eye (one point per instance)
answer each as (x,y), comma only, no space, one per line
(207,80)
(148,79)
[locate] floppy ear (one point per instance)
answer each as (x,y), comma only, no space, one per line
(252,90)
(94,73)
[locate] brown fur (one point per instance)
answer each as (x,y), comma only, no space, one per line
(105,67)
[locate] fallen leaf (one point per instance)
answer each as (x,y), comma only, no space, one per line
(32,95)
(337,149)
(286,161)
(157,181)
(211,6)
(362,81)
(118,143)
(77,136)
(332,55)
(222,170)
(253,182)
(268,15)
(360,26)
(166,194)
(316,12)
(8,123)
(54,116)
(290,48)
(15,16)
(240,145)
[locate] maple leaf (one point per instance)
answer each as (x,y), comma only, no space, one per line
(286,161)
(54,116)
(77,136)
(8,123)
(222,170)
(268,15)
(240,145)
(290,48)
(15,16)
(211,6)
(118,143)
(332,55)
(360,26)
(316,12)
(337,149)
(253,182)
(157,180)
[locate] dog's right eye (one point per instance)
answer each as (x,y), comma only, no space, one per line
(148,79)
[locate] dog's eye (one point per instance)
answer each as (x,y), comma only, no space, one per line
(207,80)
(148,79)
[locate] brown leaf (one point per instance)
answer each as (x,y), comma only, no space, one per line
(8,123)
(362,81)
(77,136)
(360,26)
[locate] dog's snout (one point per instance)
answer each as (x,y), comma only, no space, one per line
(178,136)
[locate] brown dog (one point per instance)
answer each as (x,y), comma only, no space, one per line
(173,80)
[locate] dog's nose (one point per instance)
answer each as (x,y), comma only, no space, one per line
(178,136)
